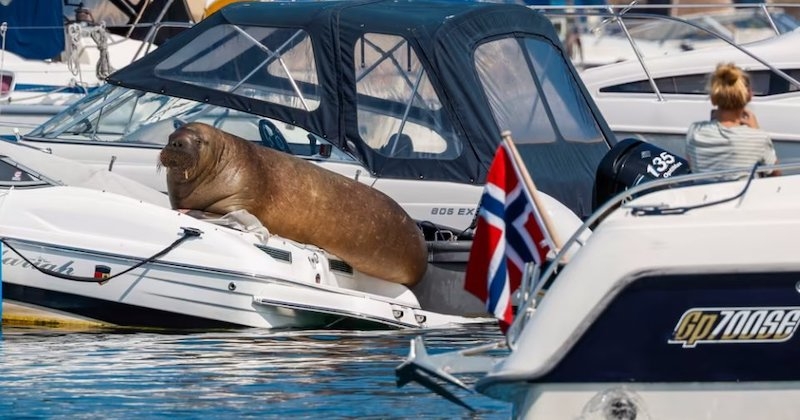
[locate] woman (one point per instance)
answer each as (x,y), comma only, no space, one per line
(731,139)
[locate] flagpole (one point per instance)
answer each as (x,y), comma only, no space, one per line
(526,178)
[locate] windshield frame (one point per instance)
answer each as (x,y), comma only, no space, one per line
(145,119)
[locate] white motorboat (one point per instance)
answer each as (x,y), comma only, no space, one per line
(418,129)
(682,303)
(660,107)
(350,124)
(113,253)
(51,59)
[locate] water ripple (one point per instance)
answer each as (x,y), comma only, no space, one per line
(224,374)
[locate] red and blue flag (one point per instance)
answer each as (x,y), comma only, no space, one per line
(510,232)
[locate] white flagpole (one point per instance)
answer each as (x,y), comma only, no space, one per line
(537,201)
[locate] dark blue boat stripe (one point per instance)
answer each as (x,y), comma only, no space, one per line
(125,315)
(635,338)
(107,311)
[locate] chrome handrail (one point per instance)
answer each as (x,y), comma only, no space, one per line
(627,12)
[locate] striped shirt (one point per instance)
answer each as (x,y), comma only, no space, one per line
(711,146)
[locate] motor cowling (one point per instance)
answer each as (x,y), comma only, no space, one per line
(631,162)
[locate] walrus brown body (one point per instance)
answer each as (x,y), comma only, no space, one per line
(217,172)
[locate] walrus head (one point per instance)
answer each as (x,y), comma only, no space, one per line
(183,151)
(199,174)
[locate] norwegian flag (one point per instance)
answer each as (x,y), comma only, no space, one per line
(510,232)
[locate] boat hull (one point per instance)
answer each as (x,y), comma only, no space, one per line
(682,304)
(175,295)
(102,258)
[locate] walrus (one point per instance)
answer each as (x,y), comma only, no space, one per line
(214,171)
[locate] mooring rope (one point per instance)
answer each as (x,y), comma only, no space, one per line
(100,37)
(73,49)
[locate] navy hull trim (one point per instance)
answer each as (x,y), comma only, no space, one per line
(116,313)
(691,328)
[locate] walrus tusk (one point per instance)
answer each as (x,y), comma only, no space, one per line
(185,174)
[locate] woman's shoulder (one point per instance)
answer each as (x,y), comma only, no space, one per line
(700,124)
(703,123)
(703,127)
(749,131)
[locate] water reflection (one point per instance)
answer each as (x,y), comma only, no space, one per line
(238,373)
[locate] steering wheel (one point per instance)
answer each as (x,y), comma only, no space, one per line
(272,137)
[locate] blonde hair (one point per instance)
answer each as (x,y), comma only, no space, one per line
(729,87)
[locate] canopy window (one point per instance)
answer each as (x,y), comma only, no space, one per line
(531,92)
(399,112)
(274,65)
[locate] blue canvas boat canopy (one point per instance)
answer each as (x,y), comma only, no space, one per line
(413,89)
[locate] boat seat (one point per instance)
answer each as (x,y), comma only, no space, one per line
(399,145)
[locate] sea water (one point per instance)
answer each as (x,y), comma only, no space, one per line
(227,374)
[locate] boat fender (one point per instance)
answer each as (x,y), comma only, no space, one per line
(631,162)
(565,223)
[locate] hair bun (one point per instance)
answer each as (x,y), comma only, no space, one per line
(729,87)
(728,73)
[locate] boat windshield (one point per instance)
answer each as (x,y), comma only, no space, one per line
(117,115)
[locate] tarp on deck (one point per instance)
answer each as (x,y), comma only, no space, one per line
(35,28)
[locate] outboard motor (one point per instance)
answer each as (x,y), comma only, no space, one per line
(631,162)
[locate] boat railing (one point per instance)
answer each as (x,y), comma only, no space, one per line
(74,33)
(83,28)
(620,13)
(635,11)
(536,280)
